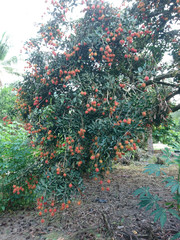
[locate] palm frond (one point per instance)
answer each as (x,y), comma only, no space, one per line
(10,61)
(3,46)
(11,70)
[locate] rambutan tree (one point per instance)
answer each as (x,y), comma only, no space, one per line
(90,89)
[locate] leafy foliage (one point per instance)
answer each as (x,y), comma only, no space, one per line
(167,133)
(16,163)
(3,46)
(85,96)
(150,201)
(154,168)
(7,103)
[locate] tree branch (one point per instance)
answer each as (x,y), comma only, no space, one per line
(168,84)
(167,75)
(175,108)
(163,76)
(172,95)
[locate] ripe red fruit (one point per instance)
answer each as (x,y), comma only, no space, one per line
(122,85)
(70,185)
(42,220)
(121,42)
(143,85)
(92,157)
(146,78)
(40,213)
(144,114)
(54,53)
(97,169)
(136,58)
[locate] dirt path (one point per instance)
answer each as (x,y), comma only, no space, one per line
(102,215)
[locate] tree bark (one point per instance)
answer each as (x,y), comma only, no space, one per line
(150,142)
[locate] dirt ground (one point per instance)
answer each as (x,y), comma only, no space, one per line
(103,215)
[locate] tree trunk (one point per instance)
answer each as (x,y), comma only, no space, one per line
(150,142)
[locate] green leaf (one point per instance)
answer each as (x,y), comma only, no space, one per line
(141,191)
(174,188)
(153,168)
(144,202)
(176,236)
(3,208)
(160,213)
(174,213)
(140,69)
(163,219)
(149,206)
(157,215)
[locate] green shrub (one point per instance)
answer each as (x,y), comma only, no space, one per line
(16,164)
(7,102)
(167,132)
(152,202)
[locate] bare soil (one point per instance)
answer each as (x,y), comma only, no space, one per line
(103,215)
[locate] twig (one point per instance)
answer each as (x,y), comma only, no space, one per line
(92,228)
(107,224)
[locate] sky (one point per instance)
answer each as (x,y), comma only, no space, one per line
(17,19)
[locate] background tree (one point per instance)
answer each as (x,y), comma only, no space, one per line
(7,102)
(163,18)
(6,65)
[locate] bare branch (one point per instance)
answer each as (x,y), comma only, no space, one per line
(167,75)
(168,84)
(172,95)
(163,76)
(175,108)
